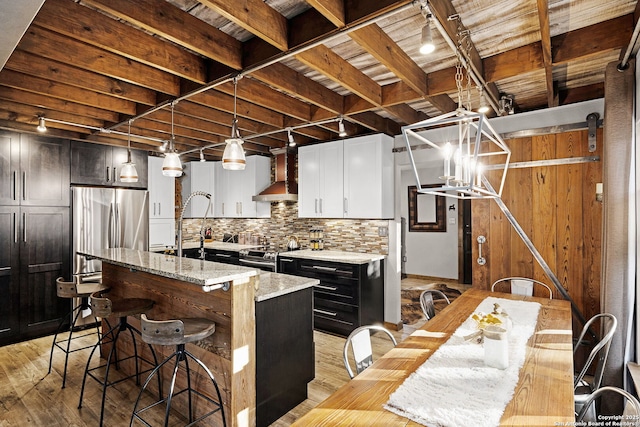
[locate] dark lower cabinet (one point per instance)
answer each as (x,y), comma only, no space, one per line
(285,354)
(35,242)
(348,295)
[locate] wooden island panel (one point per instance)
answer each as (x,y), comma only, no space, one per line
(229,353)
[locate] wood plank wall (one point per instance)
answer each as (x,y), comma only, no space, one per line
(556,207)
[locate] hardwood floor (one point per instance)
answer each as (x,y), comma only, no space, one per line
(30,396)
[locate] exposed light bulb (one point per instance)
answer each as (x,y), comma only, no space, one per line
(483,108)
(426,41)
(202,159)
(163,147)
(341,130)
(42,127)
(292,142)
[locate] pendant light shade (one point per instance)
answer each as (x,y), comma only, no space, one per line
(233,157)
(171,166)
(128,172)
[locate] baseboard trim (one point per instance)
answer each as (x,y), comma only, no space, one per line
(394,326)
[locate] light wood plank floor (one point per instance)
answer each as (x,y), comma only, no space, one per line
(31,397)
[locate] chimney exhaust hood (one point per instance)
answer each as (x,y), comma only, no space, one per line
(285,188)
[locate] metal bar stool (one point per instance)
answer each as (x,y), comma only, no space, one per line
(178,333)
(72,290)
(104,308)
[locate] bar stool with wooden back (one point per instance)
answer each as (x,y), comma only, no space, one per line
(178,333)
(73,290)
(104,307)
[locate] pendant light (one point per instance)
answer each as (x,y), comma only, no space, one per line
(171,166)
(233,157)
(342,132)
(128,172)
(426,40)
(202,159)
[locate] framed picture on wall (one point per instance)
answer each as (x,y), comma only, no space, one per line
(426,211)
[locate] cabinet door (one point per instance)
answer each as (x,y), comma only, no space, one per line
(368,177)
(331,203)
(91,164)
(162,232)
(162,191)
(44,164)
(308,181)
(9,168)
(201,179)
(138,157)
(9,277)
(44,256)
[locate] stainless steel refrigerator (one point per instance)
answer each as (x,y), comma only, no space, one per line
(105,218)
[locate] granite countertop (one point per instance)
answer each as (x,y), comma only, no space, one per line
(199,272)
(336,256)
(203,273)
(272,285)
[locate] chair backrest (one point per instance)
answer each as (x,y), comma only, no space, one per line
(360,342)
(600,351)
(426,301)
(66,289)
(100,304)
(520,286)
(162,332)
(631,400)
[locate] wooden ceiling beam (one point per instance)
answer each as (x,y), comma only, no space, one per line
(89,26)
(172,23)
(255,16)
(297,84)
(57,47)
(579,94)
(605,36)
(27,63)
(545,40)
(375,41)
(58,90)
(43,101)
(34,112)
(333,10)
(376,123)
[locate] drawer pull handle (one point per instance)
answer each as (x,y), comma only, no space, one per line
(321,268)
(223,255)
(286,259)
(328,313)
(328,288)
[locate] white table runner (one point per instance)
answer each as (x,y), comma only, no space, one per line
(454,387)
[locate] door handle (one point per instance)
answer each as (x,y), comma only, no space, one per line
(15,185)
(345,206)
(320,205)
(114,175)
(154,209)
(24,227)
(15,229)
(107,173)
(316,205)
(24,185)
(159,208)
(481,240)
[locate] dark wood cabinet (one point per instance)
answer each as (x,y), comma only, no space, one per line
(348,295)
(34,234)
(95,164)
(35,170)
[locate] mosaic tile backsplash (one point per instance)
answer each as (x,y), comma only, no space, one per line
(352,235)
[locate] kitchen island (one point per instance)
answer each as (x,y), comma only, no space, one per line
(263,344)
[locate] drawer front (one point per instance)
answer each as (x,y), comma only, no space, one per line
(227,257)
(338,292)
(328,270)
(334,317)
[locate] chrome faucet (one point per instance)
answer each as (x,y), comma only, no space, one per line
(179,235)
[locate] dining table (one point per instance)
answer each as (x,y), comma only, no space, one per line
(543,394)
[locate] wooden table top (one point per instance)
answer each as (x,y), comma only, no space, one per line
(543,396)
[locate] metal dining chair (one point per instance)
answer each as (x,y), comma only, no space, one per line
(520,285)
(589,413)
(427,299)
(584,386)
(360,342)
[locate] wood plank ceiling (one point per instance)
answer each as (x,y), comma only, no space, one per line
(100,63)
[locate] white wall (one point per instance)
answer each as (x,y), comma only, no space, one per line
(430,253)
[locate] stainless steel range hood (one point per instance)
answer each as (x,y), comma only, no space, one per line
(285,188)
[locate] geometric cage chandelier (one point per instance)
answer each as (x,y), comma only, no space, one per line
(470,144)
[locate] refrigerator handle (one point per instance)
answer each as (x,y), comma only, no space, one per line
(118,226)
(15,229)
(111,224)
(24,225)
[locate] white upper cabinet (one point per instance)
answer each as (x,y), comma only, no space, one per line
(320,180)
(162,190)
(368,177)
(234,189)
(200,176)
(351,178)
